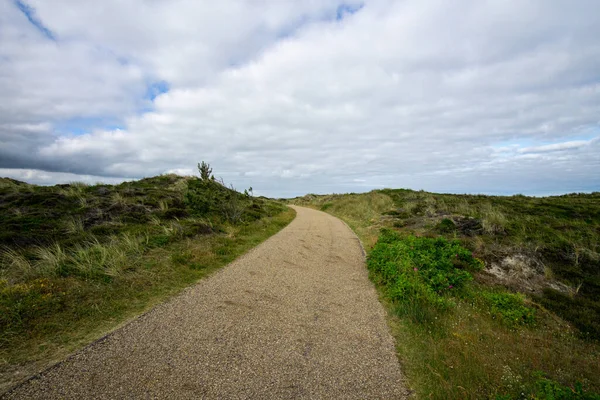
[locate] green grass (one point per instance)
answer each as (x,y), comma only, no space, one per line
(76,261)
(532,333)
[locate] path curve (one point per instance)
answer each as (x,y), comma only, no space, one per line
(294,318)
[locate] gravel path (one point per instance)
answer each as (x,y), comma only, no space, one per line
(294,318)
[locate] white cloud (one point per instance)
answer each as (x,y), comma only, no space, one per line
(286,99)
(575,144)
(38,177)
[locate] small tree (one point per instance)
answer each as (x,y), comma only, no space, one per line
(205,171)
(207,195)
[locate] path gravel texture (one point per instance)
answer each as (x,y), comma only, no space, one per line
(296,317)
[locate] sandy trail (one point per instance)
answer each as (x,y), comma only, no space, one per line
(294,318)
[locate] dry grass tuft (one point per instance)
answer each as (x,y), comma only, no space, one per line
(14,263)
(492,219)
(74,225)
(49,260)
(163,205)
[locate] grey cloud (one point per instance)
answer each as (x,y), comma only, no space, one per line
(184,41)
(421,94)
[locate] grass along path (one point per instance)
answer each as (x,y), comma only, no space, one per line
(80,311)
(294,318)
(470,349)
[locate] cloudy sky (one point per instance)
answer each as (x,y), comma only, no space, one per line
(292,97)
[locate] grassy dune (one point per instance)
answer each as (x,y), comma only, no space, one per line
(488,297)
(76,261)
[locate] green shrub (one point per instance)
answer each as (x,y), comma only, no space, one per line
(547,389)
(210,197)
(206,196)
(509,308)
(446,226)
(201,196)
(420,273)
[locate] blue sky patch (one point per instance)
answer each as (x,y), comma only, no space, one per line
(291,29)
(342,11)
(345,10)
(155,89)
(29,12)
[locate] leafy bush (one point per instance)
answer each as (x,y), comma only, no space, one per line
(446,226)
(418,273)
(202,196)
(509,308)
(550,390)
(547,389)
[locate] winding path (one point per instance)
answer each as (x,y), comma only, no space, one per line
(294,318)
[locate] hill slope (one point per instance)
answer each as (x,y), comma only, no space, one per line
(78,260)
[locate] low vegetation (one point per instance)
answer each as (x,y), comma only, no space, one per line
(77,260)
(489,297)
